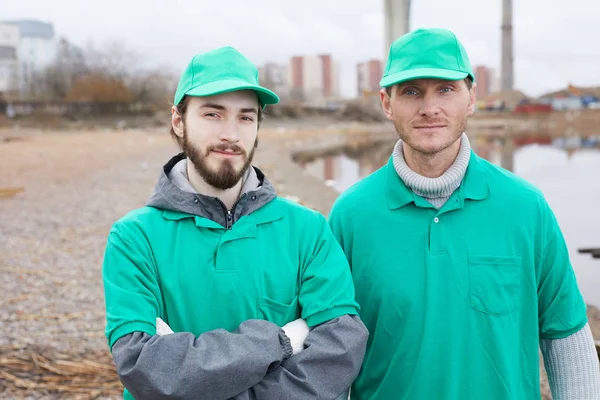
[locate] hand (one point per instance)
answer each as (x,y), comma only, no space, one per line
(297,331)
(162,328)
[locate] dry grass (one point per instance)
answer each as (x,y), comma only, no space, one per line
(27,372)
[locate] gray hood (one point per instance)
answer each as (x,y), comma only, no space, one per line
(171,193)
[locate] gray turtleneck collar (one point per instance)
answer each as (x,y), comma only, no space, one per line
(435,190)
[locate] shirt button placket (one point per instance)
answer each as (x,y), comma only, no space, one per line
(435,236)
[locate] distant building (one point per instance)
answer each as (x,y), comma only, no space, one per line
(494,80)
(482,80)
(313,79)
(9,42)
(573,97)
(275,77)
(501,101)
(36,50)
(566,103)
(331,76)
(368,75)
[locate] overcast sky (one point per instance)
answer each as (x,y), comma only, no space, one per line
(554,45)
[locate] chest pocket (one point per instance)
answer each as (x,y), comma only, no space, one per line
(279,284)
(276,312)
(494,283)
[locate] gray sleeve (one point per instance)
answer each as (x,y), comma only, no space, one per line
(572,366)
(325,369)
(215,365)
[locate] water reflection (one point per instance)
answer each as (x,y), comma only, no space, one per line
(342,170)
(569,179)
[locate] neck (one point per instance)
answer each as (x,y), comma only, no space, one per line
(228,196)
(435,190)
(431,165)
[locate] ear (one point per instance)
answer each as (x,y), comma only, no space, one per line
(385,103)
(472,99)
(177,122)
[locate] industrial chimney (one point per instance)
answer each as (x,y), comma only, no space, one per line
(397,21)
(507,46)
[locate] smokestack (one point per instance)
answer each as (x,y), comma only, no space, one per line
(397,21)
(507,46)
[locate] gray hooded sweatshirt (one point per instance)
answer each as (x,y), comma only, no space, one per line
(254,361)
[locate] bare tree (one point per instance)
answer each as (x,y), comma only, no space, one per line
(56,80)
(103,73)
(113,59)
(154,87)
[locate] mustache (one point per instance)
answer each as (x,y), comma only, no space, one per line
(430,122)
(226,147)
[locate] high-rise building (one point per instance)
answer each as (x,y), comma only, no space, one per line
(368,75)
(36,50)
(313,79)
(483,81)
(494,80)
(331,76)
(296,78)
(9,43)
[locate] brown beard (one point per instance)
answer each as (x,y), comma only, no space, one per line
(226,176)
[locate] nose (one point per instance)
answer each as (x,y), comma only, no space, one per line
(230,132)
(429,105)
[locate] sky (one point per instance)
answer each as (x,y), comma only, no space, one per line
(553,45)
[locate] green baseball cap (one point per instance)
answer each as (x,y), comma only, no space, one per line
(220,71)
(426,53)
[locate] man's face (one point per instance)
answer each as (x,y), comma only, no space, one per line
(429,114)
(219,135)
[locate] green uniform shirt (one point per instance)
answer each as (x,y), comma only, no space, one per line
(456,299)
(278,263)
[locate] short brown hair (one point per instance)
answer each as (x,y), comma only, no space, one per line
(468,81)
(182,109)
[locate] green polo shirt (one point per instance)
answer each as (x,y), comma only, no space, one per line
(457,299)
(279,263)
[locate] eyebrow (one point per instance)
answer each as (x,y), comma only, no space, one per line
(404,85)
(213,105)
(437,82)
(249,110)
(222,108)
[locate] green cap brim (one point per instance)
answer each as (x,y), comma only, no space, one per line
(213,88)
(422,73)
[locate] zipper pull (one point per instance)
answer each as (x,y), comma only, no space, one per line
(229,219)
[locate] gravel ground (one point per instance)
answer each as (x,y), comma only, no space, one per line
(53,233)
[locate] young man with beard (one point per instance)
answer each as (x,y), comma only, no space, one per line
(460,267)
(238,273)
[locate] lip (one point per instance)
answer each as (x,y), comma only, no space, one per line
(226,153)
(430,126)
